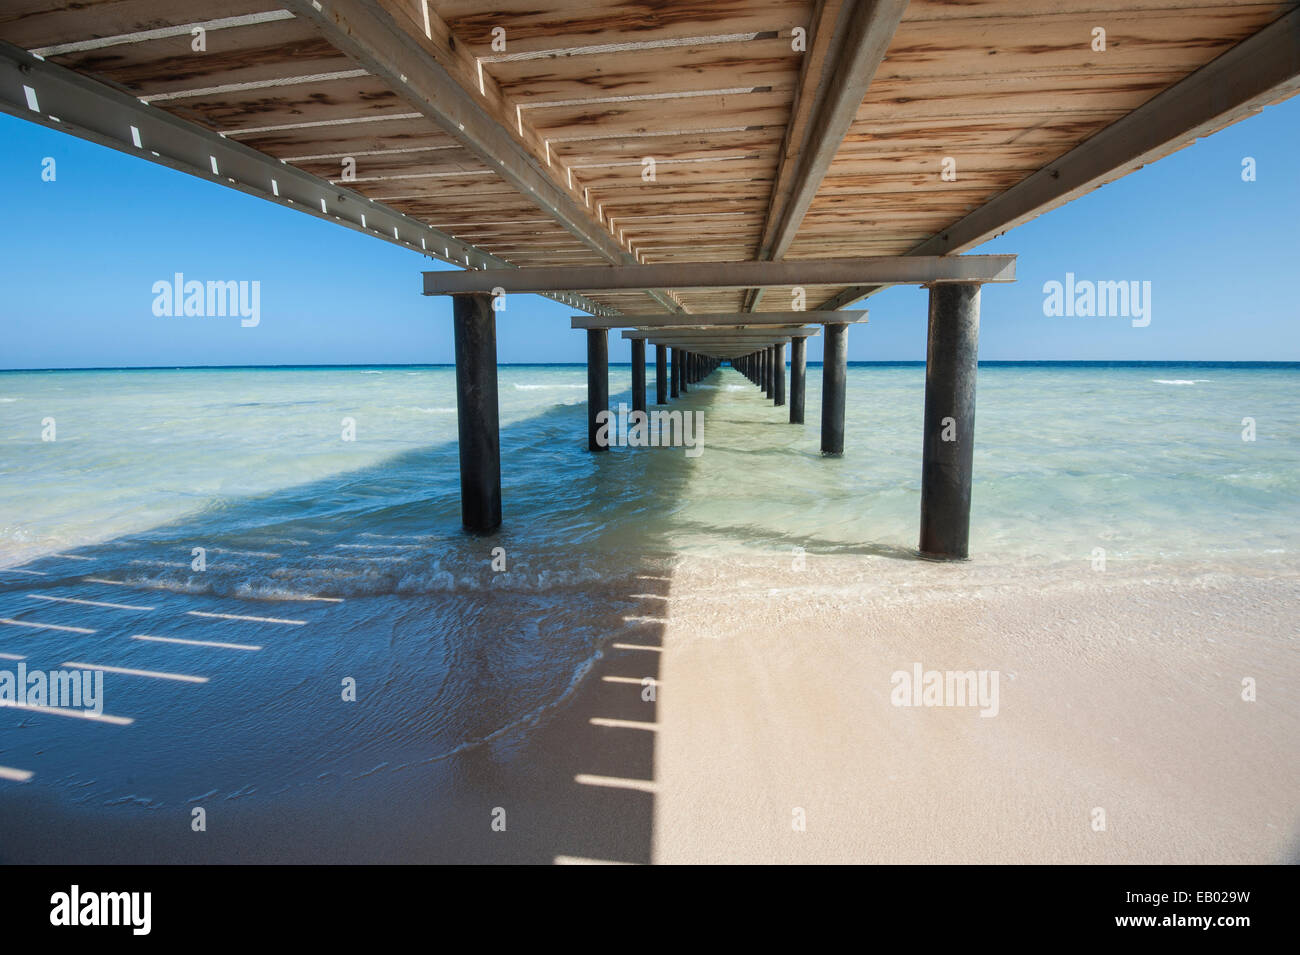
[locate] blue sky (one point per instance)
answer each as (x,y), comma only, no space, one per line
(81,254)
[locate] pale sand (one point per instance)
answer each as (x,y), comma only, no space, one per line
(1119,689)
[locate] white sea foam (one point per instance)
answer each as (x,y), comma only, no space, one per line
(1180,381)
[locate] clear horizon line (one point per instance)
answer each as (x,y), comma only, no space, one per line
(1135,362)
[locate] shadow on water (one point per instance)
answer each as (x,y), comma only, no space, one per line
(500,715)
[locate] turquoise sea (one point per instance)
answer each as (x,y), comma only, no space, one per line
(325,559)
(1147,460)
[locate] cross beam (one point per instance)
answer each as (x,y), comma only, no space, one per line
(876,270)
(718,319)
(713,334)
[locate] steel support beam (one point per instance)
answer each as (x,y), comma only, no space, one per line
(881,269)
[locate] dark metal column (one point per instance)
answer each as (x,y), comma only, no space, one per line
(477,420)
(597,384)
(638,374)
(951,363)
(798,372)
(778,358)
(685,383)
(661,374)
(834,371)
(676,373)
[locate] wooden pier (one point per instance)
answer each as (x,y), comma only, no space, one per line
(719,180)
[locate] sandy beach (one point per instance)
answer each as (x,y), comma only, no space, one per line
(771,705)
(1119,690)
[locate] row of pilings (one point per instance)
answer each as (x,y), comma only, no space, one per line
(766,368)
(675,371)
(949,422)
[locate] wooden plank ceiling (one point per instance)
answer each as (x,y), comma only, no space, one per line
(713,91)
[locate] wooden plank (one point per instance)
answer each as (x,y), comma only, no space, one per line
(34,24)
(1001,96)
(350,139)
(728,251)
(433,209)
(977,132)
(315,102)
(1150,41)
(738,190)
(388,165)
(1024,9)
(263,51)
(670,173)
(750,62)
(459,189)
(563,24)
(580,153)
(700,112)
(922,186)
(969,159)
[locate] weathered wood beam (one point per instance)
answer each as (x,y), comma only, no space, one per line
(884,269)
(1262,69)
(439,78)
